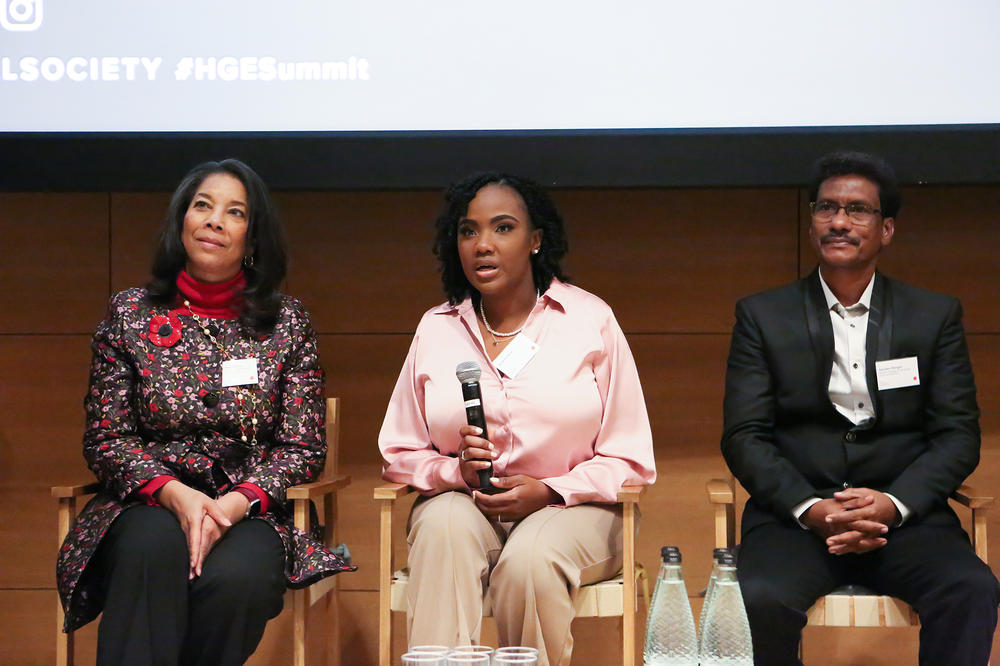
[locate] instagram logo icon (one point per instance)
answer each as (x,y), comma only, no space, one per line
(21,15)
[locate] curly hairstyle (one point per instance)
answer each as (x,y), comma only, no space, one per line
(542,214)
(872,167)
(265,243)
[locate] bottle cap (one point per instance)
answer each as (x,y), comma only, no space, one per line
(671,554)
(718,553)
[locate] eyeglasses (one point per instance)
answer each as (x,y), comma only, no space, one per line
(859,214)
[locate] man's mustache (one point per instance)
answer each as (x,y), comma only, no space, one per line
(825,238)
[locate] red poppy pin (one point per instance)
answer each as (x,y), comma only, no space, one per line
(165,330)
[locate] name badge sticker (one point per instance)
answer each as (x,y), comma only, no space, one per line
(239,372)
(517,354)
(897,373)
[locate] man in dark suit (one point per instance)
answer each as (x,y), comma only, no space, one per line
(850,416)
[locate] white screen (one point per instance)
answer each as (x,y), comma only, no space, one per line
(292,65)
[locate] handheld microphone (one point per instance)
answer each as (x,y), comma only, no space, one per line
(469,372)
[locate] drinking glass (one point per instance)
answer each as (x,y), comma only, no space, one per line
(518,650)
(424,659)
(515,659)
(473,649)
(440,650)
(468,659)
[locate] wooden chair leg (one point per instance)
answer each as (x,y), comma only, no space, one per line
(299,627)
(333,596)
(385,580)
(628,584)
(300,601)
(64,641)
(979,534)
(333,600)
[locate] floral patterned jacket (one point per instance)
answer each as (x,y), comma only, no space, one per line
(154,410)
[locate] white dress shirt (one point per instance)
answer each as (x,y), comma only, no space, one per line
(848,385)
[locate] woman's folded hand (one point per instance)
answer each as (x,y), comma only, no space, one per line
(526,495)
(234,506)
(192,507)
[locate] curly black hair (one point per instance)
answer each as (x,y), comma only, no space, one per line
(541,212)
(265,243)
(872,167)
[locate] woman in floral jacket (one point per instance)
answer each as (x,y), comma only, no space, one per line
(205,404)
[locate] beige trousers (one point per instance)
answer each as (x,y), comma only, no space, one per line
(533,570)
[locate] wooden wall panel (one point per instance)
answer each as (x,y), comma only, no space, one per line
(683,381)
(362,261)
(677,260)
(41,400)
(29,544)
(985,353)
(135,223)
(28,618)
(54,271)
(362,370)
(945,240)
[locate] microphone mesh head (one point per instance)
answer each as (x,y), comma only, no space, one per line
(468,371)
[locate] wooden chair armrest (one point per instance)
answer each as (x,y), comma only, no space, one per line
(62,492)
(970,497)
(392,491)
(719,492)
(309,491)
(631,494)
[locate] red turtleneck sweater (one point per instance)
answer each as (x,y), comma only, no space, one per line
(220,300)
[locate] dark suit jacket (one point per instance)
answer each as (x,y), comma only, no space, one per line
(784,440)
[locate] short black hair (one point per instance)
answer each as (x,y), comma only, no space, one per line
(265,244)
(541,212)
(872,167)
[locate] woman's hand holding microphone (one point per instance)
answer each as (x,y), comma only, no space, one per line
(524,495)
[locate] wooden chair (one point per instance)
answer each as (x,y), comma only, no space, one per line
(611,598)
(849,606)
(326,489)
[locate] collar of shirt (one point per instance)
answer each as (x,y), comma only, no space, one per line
(832,303)
(555,294)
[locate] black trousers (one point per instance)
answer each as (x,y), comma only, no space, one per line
(154,615)
(783,569)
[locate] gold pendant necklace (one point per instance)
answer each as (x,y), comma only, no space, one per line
(243,394)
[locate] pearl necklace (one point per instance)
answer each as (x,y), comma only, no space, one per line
(498,334)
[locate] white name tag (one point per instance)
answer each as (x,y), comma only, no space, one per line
(239,371)
(897,373)
(517,354)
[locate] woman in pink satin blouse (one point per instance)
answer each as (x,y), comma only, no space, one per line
(566,428)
